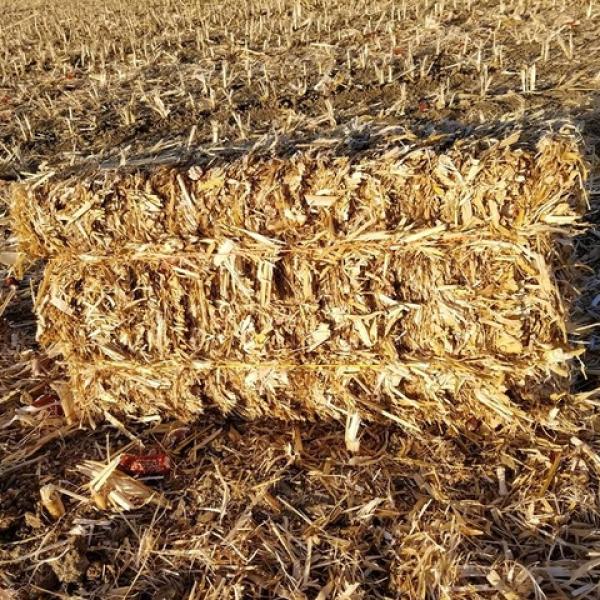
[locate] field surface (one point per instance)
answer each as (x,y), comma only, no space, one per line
(243,509)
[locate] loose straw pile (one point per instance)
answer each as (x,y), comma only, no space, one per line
(412,280)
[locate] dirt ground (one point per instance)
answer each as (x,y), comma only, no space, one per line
(271,509)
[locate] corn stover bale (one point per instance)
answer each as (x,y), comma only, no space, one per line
(405,280)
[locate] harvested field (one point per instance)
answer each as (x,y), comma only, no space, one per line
(300,300)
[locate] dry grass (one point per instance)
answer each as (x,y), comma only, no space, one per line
(268,509)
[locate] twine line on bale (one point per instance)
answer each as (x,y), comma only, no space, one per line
(288,286)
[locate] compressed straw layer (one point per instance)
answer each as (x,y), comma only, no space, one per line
(317,196)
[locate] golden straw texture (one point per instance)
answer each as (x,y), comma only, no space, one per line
(399,281)
(317,197)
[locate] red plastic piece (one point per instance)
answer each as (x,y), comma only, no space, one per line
(153,463)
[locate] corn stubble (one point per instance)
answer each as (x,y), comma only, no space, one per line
(417,281)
